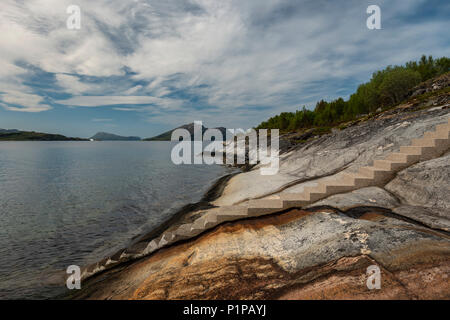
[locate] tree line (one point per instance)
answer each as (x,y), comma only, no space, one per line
(385,89)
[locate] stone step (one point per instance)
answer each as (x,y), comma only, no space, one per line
(177,237)
(360,180)
(345,179)
(372,172)
(151,246)
(316,195)
(227,217)
(441,131)
(198,224)
(391,165)
(217,216)
(378,175)
(166,238)
(413,150)
(399,156)
(233,210)
(441,144)
(426,152)
(210,220)
(319,188)
(185,230)
(291,200)
(264,206)
(230,213)
(343,182)
(442,127)
(424,142)
(340,187)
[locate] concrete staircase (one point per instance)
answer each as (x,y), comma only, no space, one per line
(431,145)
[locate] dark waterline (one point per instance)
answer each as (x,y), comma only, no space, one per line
(64,203)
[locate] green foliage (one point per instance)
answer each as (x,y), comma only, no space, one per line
(34,136)
(386,88)
(396,85)
(429,68)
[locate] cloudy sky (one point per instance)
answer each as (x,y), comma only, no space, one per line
(139,67)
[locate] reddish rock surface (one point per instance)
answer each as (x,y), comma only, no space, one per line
(295,255)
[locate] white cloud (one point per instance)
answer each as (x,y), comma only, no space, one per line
(72,84)
(26,102)
(37,108)
(133,90)
(101,120)
(128,109)
(230,54)
(35,32)
(97,101)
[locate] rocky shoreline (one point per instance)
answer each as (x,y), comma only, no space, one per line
(259,259)
(317,252)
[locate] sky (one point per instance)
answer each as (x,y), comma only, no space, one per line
(142,67)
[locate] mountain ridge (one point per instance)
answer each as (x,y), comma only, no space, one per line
(19,135)
(167,136)
(106,136)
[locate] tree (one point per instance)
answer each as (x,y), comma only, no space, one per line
(396,85)
(387,87)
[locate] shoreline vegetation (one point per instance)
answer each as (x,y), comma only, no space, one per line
(17,135)
(386,89)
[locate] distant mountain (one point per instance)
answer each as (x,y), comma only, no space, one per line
(167,136)
(17,135)
(2,131)
(105,136)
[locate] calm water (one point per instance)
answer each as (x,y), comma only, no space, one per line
(64,203)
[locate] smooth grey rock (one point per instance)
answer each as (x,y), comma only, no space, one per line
(425,184)
(183,231)
(371,196)
(424,190)
(431,218)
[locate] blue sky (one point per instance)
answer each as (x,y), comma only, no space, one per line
(140,67)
